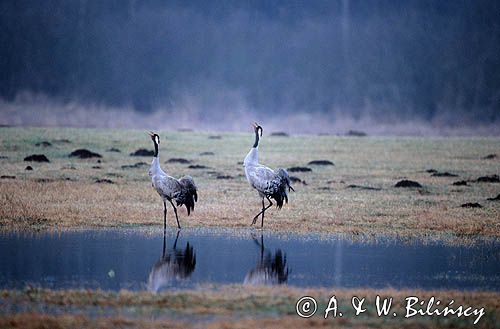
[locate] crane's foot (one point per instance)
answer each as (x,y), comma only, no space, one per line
(254,220)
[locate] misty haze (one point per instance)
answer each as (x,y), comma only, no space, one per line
(383,67)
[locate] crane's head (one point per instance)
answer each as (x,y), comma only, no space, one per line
(154,137)
(256,127)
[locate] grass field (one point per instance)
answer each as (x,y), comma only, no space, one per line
(64,193)
(231,307)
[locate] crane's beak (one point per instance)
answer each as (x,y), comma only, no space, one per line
(150,133)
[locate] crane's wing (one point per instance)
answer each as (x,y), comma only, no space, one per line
(278,187)
(166,186)
(188,194)
(259,177)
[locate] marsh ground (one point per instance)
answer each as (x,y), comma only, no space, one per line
(115,191)
(231,307)
(66,193)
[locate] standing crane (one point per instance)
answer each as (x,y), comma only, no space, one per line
(182,191)
(268,183)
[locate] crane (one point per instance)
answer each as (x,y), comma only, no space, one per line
(268,183)
(183,191)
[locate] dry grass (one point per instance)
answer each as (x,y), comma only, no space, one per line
(53,195)
(69,321)
(230,307)
(43,321)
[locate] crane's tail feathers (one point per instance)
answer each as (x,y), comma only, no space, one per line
(188,194)
(279,186)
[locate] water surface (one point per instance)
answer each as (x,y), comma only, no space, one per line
(144,260)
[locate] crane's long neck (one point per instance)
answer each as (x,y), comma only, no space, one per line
(256,144)
(155,165)
(156,149)
(252,157)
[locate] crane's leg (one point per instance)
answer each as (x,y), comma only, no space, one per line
(164,216)
(164,243)
(175,211)
(262,211)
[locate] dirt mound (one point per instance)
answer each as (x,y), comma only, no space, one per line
(215,137)
(407,183)
(113,150)
(431,171)
(44,144)
(321,163)
(368,188)
(207,153)
(280,134)
(112,174)
(136,165)
(299,169)
(224,177)
(490,156)
(44,180)
(197,166)
(460,183)
(37,158)
(488,179)
(104,181)
(497,198)
(7,177)
(142,153)
(471,205)
(178,160)
(84,154)
(356,133)
(28,168)
(443,174)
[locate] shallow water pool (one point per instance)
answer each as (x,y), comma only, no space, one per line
(143,259)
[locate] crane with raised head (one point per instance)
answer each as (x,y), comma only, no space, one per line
(270,184)
(183,191)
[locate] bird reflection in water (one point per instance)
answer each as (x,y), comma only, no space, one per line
(174,265)
(271,268)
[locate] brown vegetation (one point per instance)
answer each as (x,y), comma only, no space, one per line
(231,307)
(63,193)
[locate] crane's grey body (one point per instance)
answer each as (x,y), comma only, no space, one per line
(183,191)
(170,188)
(269,183)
